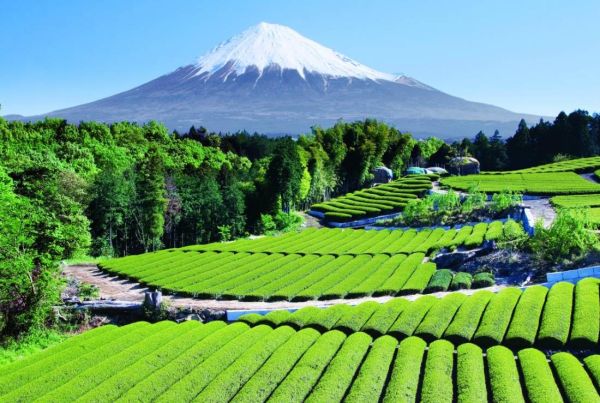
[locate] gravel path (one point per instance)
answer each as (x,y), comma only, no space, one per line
(541,208)
(115,288)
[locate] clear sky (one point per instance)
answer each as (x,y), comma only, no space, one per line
(534,56)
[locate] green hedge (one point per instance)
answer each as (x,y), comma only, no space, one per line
(505,385)
(461,281)
(465,322)
(483,280)
(526,318)
(439,317)
(575,382)
(538,377)
(404,381)
(496,317)
(556,317)
(470,374)
(586,312)
(440,281)
(438,383)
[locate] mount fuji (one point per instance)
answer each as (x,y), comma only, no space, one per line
(272,80)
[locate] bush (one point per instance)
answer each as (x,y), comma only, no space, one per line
(404,381)
(585,314)
(526,318)
(439,317)
(505,200)
(340,372)
(568,237)
(575,382)
(440,281)
(496,317)
(538,377)
(513,236)
(461,281)
(556,317)
(504,377)
(482,280)
(373,372)
(437,382)
(470,374)
(465,322)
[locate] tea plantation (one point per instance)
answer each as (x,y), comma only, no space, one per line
(312,264)
(216,362)
(564,315)
(379,200)
(558,183)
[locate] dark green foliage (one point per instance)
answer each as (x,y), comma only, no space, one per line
(440,281)
(461,281)
(482,280)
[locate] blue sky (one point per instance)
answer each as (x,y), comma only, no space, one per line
(527,56)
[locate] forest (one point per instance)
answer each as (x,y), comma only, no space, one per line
(113,190)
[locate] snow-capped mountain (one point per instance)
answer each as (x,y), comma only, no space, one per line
(273,80)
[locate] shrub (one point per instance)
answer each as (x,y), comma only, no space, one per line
(592,363)
(373,372)
(568,237)
(385,316)
(419,279)
(513,236)
(437,382)
(300,381)
(556,317)
(470,374)
(526,318)
(461,281)
(439,317)
(496,317)
(266,379)
(505,385)
(477,235)
(505,200)
(575,382)
(440,281)
(410,318)
(354,319)
(538,377)
(465,322)
(483,279)
(341,371)
(586,312)
(404,380)
(494,231)
(232,377)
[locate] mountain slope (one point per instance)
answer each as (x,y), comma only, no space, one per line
(271,79)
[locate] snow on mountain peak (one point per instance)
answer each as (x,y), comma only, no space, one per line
(267,44)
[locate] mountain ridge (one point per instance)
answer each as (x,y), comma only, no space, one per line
(272,80)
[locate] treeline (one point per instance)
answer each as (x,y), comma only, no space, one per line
(568,136)
(123,188)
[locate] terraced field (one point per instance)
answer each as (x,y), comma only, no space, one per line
(576,165)
(215,362)
(312,264)
(559,183)
(379,200)
(591,201)
(565,315)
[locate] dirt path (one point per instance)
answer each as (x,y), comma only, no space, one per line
(124,290)
(311,222)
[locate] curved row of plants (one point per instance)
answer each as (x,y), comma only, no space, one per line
(543,184)
(379,200)
(351,241)
(293,277)
(564,315)
(218,362)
